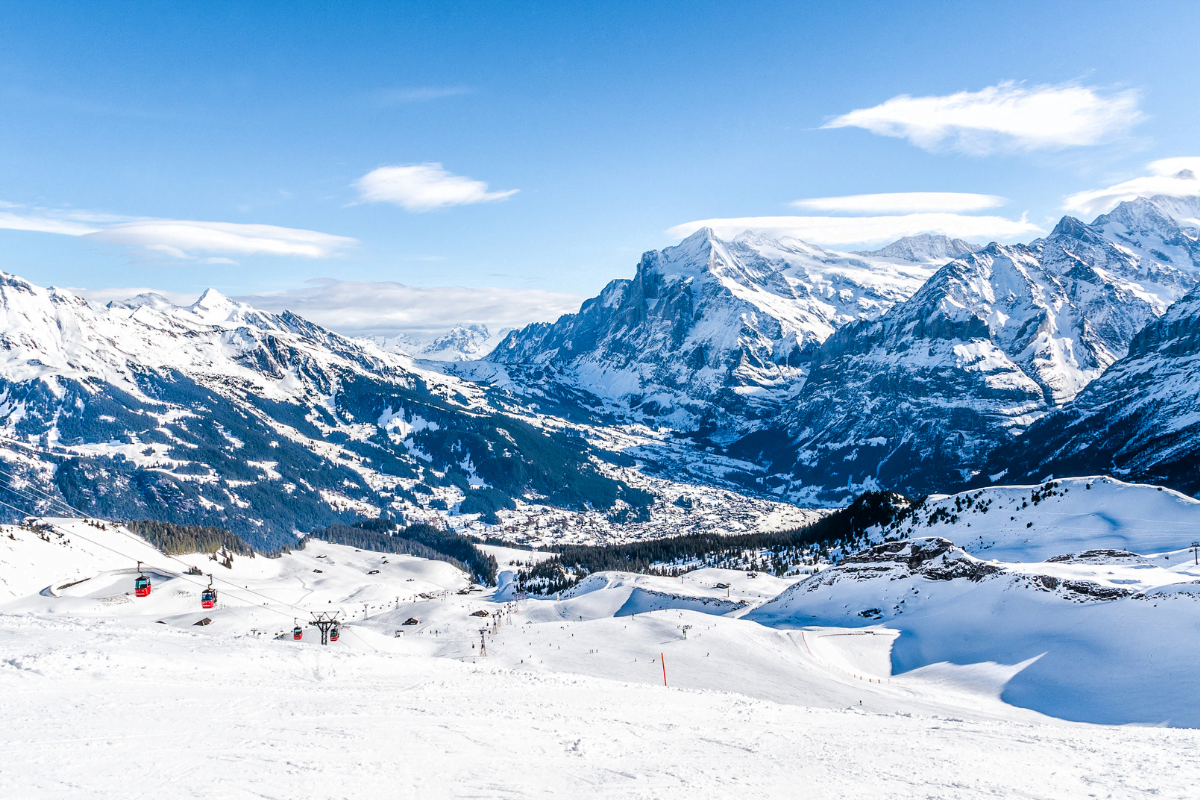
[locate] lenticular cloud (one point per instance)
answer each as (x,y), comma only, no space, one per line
(1007,116)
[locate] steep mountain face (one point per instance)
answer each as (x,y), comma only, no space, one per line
(219,414)
(1140,420)
(916,401)
(1165,229)
(709,333)
(924,248)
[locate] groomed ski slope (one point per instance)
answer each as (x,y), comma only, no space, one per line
(107,709)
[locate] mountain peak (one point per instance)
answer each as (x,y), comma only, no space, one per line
(214,308)
(923,248)
(152,299)
(1076,229)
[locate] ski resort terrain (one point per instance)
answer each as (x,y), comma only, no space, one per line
(995,642)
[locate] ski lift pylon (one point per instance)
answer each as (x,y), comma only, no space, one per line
(141,586)
(208,597)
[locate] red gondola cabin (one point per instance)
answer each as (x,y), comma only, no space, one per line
(208,597)
(141,586)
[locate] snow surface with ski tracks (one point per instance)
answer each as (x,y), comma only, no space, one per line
(775,689)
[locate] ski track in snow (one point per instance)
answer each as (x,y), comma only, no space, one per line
(101,700)
(107,709)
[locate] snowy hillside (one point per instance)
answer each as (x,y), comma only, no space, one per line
(709,327)
(916,400)
(1069,515)
(1063,595)
(569,696)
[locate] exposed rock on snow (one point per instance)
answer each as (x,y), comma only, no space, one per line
(1140,419)
(710,328)
(917,400)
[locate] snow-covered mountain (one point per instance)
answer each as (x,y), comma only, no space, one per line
(924,248)
(916,400)
(460,343)
(710,330)
(1140,419)
(216,413)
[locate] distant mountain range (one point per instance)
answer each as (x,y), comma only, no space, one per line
(906,367)
(784,370)
(218,414)
(460,343)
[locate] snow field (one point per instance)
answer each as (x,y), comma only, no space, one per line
(101,708)
(774,689)
(1111,514)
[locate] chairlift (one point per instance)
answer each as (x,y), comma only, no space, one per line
(297,633)
(208,598)
(141,586)
(334,633)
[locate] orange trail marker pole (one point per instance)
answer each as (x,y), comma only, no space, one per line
(664,663)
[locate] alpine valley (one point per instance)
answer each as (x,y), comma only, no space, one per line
(758,376)
(905,368)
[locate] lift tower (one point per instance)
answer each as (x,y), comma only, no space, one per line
(324,622)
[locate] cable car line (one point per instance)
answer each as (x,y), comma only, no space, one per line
(167,555)
(63,503)
(142,541)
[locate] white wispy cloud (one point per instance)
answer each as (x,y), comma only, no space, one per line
(902,202)
(43,223)
(424,187)
(210,242)
(369,308)
(846,231)
(188,238)
(1008,116)
(1172,177)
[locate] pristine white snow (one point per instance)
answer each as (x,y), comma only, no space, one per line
(1100,632)
(104,694)
(1076,514)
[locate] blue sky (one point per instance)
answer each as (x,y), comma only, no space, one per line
(530,152)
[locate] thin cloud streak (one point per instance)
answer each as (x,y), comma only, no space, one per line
(185,238)
(847,231)
(424,187)
(902,202)
(1005,117)
(207,242)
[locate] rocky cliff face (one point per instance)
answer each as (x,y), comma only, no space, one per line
(916,400)
(710,332)
(1139,421)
